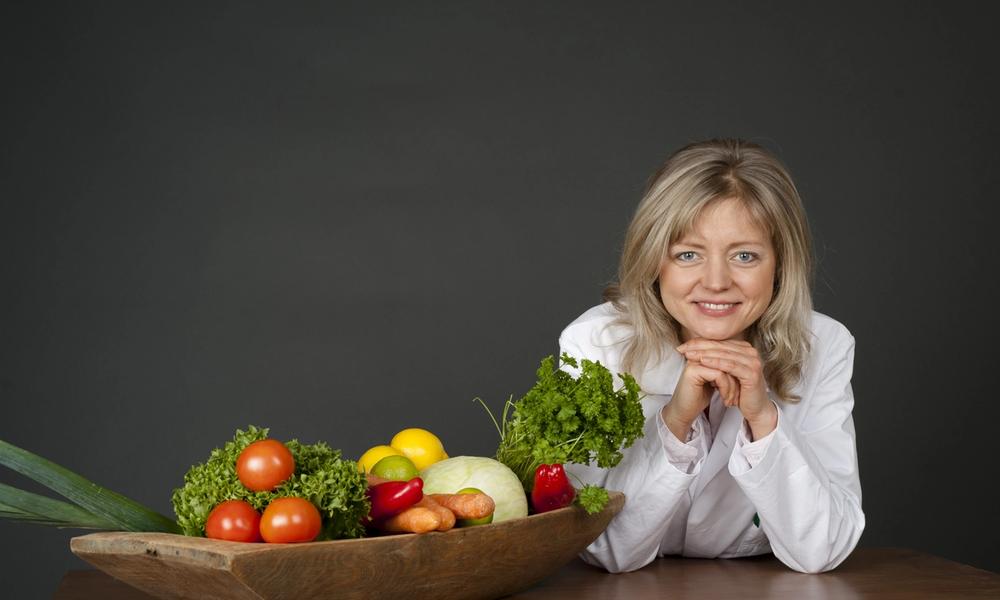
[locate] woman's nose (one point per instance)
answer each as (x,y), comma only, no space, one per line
(716,275)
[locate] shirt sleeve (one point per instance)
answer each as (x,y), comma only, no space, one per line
(805,485)
(750,453)
(684,456)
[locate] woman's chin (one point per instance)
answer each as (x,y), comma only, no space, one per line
(719,336)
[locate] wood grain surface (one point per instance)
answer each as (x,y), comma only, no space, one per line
(870,573)
(477,562)
(881,573)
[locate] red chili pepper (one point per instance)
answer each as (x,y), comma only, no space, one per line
(552,489)
(393,497)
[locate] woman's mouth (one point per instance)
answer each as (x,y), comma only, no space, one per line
(717,310)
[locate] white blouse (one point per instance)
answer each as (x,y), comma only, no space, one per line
(795,492)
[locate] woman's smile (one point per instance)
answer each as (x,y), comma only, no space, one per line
(717,310)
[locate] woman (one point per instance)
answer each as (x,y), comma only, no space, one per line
(749,443)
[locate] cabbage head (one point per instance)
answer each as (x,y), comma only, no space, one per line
(495,479)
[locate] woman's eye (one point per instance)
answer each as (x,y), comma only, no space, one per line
(746,257)
(686,256)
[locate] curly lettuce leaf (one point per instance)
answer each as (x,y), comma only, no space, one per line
(334,485)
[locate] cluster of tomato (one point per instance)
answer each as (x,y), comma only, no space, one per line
(261,467)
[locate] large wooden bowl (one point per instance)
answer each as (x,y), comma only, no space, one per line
(488,561)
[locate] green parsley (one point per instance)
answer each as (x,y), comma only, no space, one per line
(592,498)
(563,419)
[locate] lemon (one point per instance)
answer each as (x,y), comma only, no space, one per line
(375,454)
(395,468)
(419,445)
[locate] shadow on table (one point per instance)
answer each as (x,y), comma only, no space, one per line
(93,585)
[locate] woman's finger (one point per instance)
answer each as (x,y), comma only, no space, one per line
(704,374)
(745,357)
(729,389)
(730,366)
(734,384)
(703,344)
(725,387)
(746,369)
(736,394)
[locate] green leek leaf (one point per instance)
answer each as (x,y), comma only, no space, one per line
(19,505)
(120,512)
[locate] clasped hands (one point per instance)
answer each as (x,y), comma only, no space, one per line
(736,370)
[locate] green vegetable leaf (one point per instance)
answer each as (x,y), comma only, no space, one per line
(208,484)
(563,419)
(592,498)
(113,509)
(19,505)
(334,485)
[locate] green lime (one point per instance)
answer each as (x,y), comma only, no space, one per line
(395,468)
(471,522)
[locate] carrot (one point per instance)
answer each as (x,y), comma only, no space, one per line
(466,506)
(415,519)
(447,517)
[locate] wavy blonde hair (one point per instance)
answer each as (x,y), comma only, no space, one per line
(693,178)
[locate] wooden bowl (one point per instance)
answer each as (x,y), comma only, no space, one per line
(487,561)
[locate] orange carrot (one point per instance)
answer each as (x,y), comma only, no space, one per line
(415,519)
(447,517)
(466,506)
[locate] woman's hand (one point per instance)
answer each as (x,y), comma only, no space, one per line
(693,394)
(740,360)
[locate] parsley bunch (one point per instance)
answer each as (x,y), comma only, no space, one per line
(563,419)
(334,485)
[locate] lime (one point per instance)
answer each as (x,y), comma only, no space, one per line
(471,522)
(375,454)
(395,468)
(419,445)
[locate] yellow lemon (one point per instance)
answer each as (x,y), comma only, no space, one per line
(419,445)
(375,454)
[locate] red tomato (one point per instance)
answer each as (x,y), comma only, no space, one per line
(289,520)
(264,465)
(233,520)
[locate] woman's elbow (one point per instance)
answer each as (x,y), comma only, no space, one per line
(612,562)
(832,554)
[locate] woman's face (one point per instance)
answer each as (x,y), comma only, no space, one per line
(725,260)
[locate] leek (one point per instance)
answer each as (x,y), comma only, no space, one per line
(94,507)
(26,507)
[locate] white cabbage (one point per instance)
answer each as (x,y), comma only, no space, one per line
(495,479)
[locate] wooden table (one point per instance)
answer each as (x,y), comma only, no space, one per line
(884,573)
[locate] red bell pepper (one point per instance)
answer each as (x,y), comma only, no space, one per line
(393,497)
(552,488)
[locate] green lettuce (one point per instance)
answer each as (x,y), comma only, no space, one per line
(333,484)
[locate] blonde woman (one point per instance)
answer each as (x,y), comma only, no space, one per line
(749,444)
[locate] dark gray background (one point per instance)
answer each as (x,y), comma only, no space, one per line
(339,221)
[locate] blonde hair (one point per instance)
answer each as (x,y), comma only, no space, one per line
(693,178)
